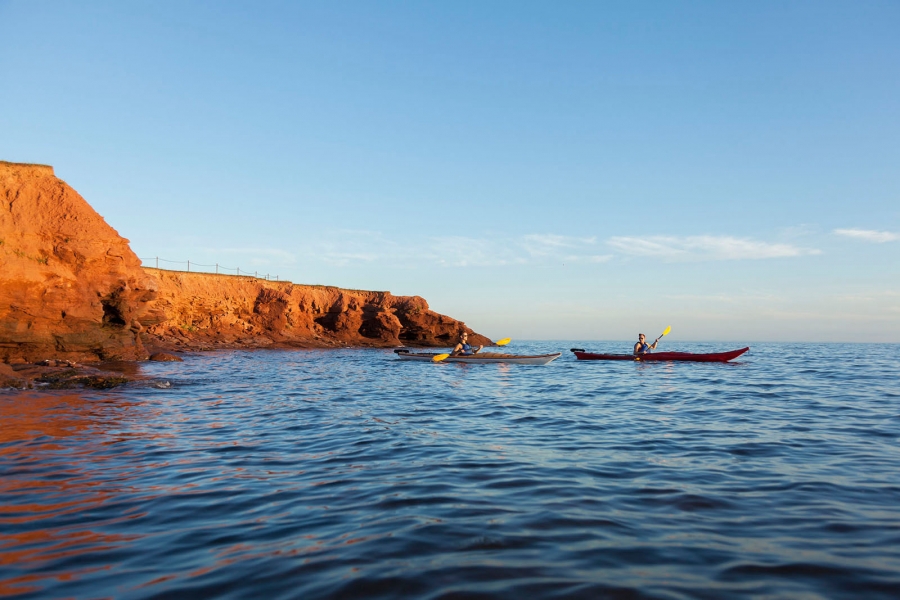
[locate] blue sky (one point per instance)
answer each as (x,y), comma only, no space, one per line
(539,170)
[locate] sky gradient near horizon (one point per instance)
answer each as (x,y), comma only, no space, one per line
(538,170)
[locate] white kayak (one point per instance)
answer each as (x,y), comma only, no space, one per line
(482,357)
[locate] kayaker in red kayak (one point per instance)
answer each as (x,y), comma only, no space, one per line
(642,347)
(463,346)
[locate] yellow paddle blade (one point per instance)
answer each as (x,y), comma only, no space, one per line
(666,332)
(439,357)
(502,342)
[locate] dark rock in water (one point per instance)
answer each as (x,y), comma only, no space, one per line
(165,357)
(60,375)
(101,382)
(64,380)
(57,377)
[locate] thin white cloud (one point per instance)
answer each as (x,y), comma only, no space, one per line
(705,247)
(587,258)
(344,247)
(868,235)
(498,250)
(557,241)
(798,231)
(548,239)
(459,251)
(551,245)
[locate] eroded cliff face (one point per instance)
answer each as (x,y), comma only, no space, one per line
(221,311)
(70,287)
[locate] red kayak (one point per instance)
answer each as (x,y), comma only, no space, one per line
(663,356)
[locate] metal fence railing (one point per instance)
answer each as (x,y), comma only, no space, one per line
(195,267)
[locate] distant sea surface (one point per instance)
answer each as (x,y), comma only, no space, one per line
(351,474)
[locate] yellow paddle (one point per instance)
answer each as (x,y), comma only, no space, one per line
(503,342)
(666,332)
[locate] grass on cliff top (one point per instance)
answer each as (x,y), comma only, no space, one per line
(18,164)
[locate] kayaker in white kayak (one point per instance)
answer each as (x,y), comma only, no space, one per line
(463,347)
(642,347)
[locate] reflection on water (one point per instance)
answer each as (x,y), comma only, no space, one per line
(49,483)
(349,473)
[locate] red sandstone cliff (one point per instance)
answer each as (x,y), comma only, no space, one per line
(71,288)
(222,311)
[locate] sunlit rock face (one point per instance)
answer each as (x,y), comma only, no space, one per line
(221,311)
(70,286)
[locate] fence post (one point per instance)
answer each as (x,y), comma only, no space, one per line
(189,266)
(217,268)
(157,262)
(239,271)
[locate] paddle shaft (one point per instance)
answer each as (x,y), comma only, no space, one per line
(664,333)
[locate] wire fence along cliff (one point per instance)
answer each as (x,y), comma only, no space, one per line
(195,267)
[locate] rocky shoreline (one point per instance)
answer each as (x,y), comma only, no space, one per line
(71,289)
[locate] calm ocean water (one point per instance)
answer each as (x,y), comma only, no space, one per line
(344,474)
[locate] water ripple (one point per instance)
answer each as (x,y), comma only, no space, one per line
(351,474)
